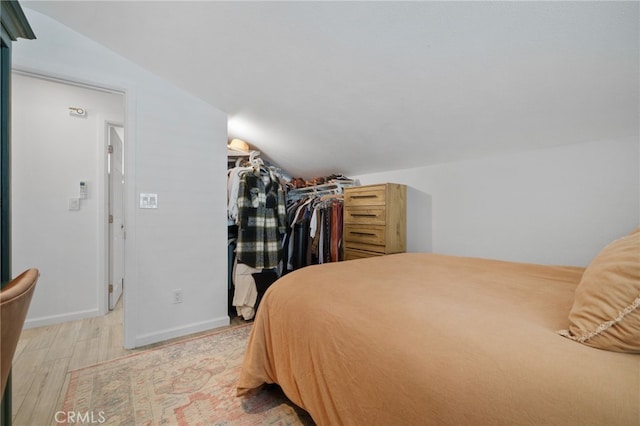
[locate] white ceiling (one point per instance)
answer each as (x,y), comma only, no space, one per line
(357,87)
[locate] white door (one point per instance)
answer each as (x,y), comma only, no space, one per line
(116,213)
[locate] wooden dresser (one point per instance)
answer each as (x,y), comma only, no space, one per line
(374,220)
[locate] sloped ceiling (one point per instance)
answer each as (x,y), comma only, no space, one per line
(357,87)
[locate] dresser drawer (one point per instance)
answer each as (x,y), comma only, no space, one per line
(364,234)
(365,196)
(350,254)
(365,215)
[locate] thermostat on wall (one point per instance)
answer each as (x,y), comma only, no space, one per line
(148,201)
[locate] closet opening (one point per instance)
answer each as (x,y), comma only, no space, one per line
(276,224)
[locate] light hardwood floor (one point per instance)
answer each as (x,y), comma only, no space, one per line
(45,355)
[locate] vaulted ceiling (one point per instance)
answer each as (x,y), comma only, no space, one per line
(357,87)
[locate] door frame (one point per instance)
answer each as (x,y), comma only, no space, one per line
(109,238)
(13,25)
(5,159)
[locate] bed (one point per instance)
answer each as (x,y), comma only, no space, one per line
(423,339)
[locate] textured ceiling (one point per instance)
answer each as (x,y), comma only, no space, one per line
(357,87)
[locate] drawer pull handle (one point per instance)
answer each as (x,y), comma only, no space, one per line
(364,214)
(365,196)
(363,233)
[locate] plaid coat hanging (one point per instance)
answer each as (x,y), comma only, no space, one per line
(261,220)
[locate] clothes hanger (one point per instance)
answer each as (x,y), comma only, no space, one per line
(254,158)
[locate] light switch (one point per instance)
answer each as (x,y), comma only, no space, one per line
(74,204)
(148,201)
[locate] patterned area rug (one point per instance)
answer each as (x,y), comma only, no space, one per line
(191,382)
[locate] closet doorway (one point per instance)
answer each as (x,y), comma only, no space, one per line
(117,232)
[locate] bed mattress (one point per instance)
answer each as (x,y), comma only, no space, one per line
(419,338)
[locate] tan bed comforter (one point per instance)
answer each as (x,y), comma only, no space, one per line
(430,339)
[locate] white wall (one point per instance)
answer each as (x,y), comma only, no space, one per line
(176,147)
(52,152)
(552,206)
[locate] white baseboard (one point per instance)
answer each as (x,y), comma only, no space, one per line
(56,319)
(172,333)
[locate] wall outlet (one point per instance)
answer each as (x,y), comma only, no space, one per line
(177,295)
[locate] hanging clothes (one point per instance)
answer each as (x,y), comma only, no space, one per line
(233,184)
(261,219)
(246,293)
(314,234)
(256,207)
